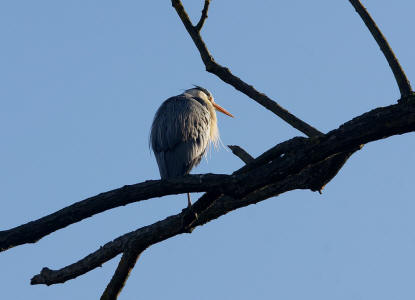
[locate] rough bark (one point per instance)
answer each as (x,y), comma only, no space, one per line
(299,163)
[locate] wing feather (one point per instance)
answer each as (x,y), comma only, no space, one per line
(179,135)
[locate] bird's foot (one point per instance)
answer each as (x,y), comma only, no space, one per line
(189,217)
(191,211)
(190,207)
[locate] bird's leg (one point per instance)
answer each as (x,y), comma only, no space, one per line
(189,203)
(189,206)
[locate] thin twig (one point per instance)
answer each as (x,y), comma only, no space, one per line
(118,280)
(203,17)
(400,77)
(226,75)
(241,153)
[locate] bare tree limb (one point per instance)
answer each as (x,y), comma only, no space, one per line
(204,16)
(226,75)
(130,255)
(241,153)
(142,238)
(400,77)
(149,234)
(33,231)
(299,163)
(300,168)
(221,207)
(118,280)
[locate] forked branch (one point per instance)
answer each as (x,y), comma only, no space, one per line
(204,16)
(309,164)
(225,74)
(35,230)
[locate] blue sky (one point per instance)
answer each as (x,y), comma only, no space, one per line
(80,82)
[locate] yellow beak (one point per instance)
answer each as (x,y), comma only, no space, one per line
(221,109)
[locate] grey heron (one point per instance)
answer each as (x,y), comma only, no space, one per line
(182,129)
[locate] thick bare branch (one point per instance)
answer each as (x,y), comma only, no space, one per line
(33,231)
(241,153)
(118,280)
(158,231)
(203,17)
(222,206)
(309,166)
(401,79)
(226,75)
(141,239)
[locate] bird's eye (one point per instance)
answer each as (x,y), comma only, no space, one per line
(210,98)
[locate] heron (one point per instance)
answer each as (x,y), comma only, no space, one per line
(182,129)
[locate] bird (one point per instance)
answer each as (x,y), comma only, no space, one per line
(182,129)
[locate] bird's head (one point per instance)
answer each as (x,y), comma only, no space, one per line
(205,95)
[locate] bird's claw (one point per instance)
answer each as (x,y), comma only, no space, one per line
(190,209)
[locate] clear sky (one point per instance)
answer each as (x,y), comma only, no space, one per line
(80,82)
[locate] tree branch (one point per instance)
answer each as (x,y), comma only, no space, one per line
(299,163)
(277,151)
(310,165)
(400,77)
(226,75)
(241,153)
(222,206)
(158,231)
(117,283)
(33,231)
(141,238)
(203,17)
